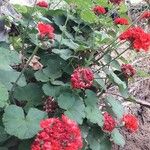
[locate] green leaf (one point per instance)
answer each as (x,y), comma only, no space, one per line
(94,115)
(107,58)
(63,53)
(3,135)
(55,90)
(116,106)
(51,90)
(3,95)
(32,93)
(7,58)
(115,79)
(76,112)
(80,3)
(84,129)
(40,76)
(142,73)
(25,145)
(115,64)
(92,112)
(20,126)
(66,100)
(88,16)
(123,8)
(7,77)
(54,67)
(91,98)
(102,2)
(67,42)
(100,81)
(97,140)
(117,138)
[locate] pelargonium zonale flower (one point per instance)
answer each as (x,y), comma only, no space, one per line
(99,10)
(121,21)
(58,134)
(146,15)
(45,30)
(109,122)
(131,122)
(139,39)
(42,3)
(128,70)
(82,78)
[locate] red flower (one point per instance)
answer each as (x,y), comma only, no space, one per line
(58,134)
(146,15)
(116,1)
(131,122)
(42,4)
(82,78)
(121,21)
(109,122)
(128,70)
(45,30)
(139,39)
(99,10)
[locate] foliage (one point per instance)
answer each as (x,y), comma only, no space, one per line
(82,39)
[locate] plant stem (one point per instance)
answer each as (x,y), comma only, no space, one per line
(141,102)
(26,29)
(57,4)
(135,21)
(113,59)
(21,73)
(64,28)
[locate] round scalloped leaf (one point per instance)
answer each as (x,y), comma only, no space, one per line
(3,95)
(19,125)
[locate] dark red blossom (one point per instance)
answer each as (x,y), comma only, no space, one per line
(121,21)
(42,4)
(58,134)
(109,122)
(116,1)
(146,15)
(139,39)
(82,78)
(99,10)
(128,70)
(45,30)
(131,122)
(50,105)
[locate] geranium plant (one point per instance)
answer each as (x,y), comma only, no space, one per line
(55,73)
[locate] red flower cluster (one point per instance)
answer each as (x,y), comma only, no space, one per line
(131,122)
(139,39)
(109,122)
(116,1)
(146,15)
(99,10)
(42,4)
(50,105)
(128,70)
(82,78)
(121,21)
(45,30)
(58,134)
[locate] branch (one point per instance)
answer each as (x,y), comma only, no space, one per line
(141,102)
(23,70)
(106,48)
